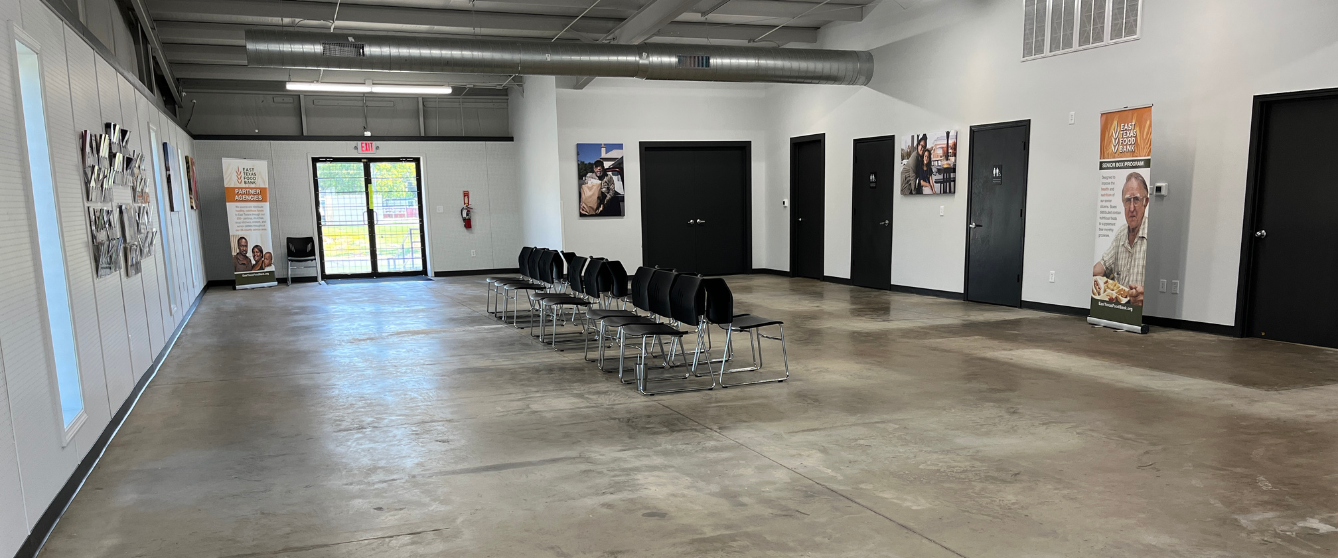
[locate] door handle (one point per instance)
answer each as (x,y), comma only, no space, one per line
(884,223)
(801,219)
(690,221)
(701,222)
(1261,234)
(974,225)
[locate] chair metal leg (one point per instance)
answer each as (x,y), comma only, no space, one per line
(785,358)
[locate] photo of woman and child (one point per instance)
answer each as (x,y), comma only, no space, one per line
(929,168)
(253,259)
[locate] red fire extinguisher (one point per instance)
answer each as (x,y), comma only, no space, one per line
(466,213)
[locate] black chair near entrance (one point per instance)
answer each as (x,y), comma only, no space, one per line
(302,250)
(720,312)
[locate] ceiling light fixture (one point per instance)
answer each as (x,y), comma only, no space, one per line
(413,89)
(368,88)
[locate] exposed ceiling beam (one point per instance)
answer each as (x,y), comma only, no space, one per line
(387,18)
(770,8)
(649,20)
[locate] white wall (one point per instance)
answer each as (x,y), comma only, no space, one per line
(121,323)
(533,115)
(955,63)
(630,111)
(486,169)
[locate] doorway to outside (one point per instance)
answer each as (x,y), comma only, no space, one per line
(369,215)
(997,212)
(808,162)
(1289,249)
(696,208)
(873,188)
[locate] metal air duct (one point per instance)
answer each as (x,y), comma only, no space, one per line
(395,53)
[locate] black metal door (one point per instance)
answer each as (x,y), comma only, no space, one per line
(1295,242)
(807,205)
(873,189)
(695,208)
(996,214)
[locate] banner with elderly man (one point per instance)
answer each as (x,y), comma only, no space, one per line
(1119,275)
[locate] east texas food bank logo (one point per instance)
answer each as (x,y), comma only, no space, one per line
(239,175)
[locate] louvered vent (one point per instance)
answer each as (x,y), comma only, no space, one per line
(1049,26)
(694,61)
(344,50)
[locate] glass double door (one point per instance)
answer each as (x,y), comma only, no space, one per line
(369,217)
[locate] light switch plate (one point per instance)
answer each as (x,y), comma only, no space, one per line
(1052,277)
(440,209)
(473,253)
(1175,287)
(940,210)
(1072,118)
(1162,286)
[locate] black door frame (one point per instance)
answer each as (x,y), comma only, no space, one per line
(747,187)
(794,165)
(1026,171)
(854,183)
(371,221)
(1253,191)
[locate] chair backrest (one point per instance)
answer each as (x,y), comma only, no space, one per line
(590,279)
(523,259)
(558,269)
(545,271)
(575,272)
(301,247)
(660,285)
(532,270)
(719,301)
(641,288)
(617,277)
(686,302)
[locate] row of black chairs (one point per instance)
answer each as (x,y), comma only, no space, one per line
(597,291)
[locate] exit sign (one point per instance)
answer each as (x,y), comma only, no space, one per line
(366,147)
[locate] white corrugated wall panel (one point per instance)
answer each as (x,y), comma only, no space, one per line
(148,114)
(116,347)
(148,277)
(132,286)
(66,163)
(504,204)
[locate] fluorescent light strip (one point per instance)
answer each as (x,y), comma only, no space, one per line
(413,89)
(359,88)
(330,87)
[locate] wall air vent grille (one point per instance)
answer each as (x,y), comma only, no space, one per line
(344,50)
(1094,22)
(694,61)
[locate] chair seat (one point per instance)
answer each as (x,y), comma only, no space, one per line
(565,300)
(601,314)
(542,296)
(503,279)
(638,330)
(524,286)
(620,321)
(748,321)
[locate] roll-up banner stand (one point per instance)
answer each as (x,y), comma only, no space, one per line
(1118,277)
(246,189)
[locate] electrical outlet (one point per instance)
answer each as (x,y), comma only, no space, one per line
(1162,286)
(473,253)
(1072,118)
(440,209)
(940,210)
(1052,277)
(1175,287)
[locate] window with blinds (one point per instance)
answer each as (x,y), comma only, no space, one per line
(1052,27)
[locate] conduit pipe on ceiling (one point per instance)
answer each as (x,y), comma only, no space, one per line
(396,53)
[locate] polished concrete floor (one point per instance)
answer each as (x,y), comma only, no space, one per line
(396,419)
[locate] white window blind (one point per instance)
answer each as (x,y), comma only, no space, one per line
(1056,26)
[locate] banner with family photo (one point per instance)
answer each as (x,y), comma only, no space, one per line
(929,163)
(246,190)
(1119,275)
(599,170)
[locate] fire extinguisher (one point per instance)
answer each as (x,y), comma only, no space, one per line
(466,213)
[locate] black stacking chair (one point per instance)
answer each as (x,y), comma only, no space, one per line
(495,283)
(656,298)
(596,282)
(302,249)
(511,290)
(556,302)
(686,305)
(720,311)
(618,288)
(640,301)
